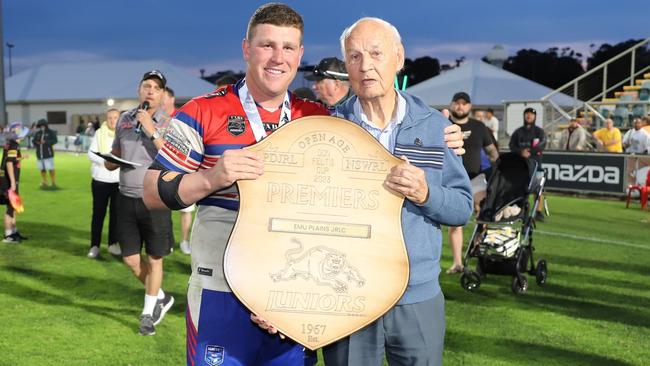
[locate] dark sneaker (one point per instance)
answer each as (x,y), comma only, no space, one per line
(162,306)
(146,325)
(12,239)
(20,236)
(539,217)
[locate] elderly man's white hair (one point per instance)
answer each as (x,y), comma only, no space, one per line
(346,33)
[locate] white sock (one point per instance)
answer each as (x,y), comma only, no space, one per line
(8,232)
(149,304)
(161,294)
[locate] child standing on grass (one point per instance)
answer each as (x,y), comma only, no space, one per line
(10,172)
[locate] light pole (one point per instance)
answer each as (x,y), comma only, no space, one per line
(9,47)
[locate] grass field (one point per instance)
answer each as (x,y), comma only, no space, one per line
(59,308)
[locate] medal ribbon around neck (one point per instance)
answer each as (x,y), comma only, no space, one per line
(250,108)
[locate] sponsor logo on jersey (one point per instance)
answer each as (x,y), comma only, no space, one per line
(178,142)
(214,355)
(467,134)
(236,125)
(204,271)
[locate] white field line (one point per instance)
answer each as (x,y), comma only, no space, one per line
(593,239)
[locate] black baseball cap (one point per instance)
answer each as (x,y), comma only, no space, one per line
(155,74)
(461,95)
(329,68)
(530,110)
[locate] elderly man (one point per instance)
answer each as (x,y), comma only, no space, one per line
(432,179)
(202,165)
(331,84)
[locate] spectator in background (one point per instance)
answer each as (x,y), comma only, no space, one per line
(44,140)
(187,214)
(30,135)
(331,82)
(574,137)
(136,225)
(529,141)
(225,80)
(10,177)
(104,187)
(608,138)
(492,123)
(305,93)
(88,134)
(636,140)
(479,115)
(477,137)
(79,137)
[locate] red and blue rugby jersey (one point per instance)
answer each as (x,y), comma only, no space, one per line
(210,124)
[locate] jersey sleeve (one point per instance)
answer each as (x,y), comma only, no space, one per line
(183,150)
(13,152)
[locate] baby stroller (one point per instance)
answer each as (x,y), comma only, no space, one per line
(502,241)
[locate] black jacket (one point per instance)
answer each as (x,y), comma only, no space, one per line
(43,141)
(523,138)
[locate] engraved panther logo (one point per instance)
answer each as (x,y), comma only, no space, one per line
(323,265)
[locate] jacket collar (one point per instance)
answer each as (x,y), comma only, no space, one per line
(416,110)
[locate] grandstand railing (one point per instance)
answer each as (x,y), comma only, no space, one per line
(577,87)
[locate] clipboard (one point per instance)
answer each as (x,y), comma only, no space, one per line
(119,161)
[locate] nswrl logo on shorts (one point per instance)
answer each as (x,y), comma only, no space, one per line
(214,355)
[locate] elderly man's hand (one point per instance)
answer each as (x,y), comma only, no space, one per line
(408,180)
(454,139)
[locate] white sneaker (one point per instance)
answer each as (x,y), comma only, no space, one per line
(114,249)
(93,252)
(185,247)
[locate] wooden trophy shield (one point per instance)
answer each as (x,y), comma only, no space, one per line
(317,249)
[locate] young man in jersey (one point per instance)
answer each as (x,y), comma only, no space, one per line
(201,161)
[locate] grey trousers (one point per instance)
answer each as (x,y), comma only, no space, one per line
(411,334)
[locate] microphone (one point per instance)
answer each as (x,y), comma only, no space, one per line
(145,106)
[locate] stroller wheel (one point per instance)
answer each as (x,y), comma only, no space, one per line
(470,281)
(519,287)
(541,272)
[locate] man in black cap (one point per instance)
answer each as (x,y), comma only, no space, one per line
(476,137)
(331,79)
(529,141)
(138,136)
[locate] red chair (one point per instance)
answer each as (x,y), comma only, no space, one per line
(644,191)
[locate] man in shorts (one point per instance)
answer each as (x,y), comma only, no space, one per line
(477,138)
(44,140)
(138,137)
(201,161)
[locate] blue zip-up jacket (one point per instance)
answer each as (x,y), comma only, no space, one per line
(421,138)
